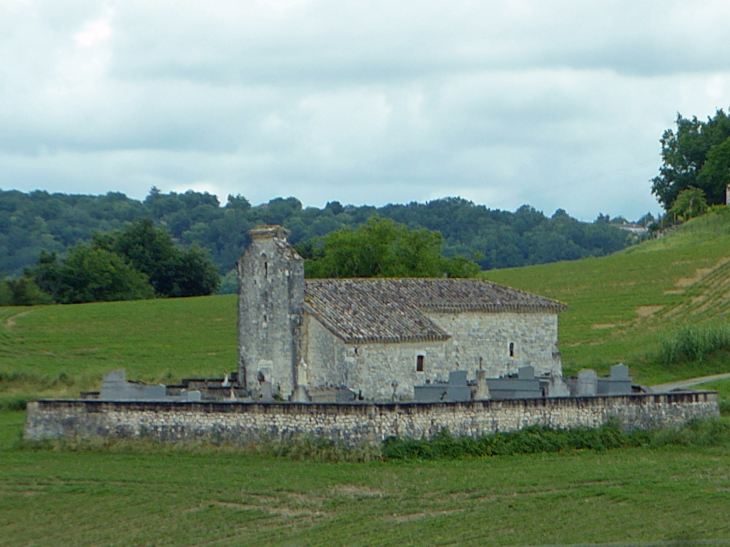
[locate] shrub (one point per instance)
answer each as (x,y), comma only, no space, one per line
(536,439)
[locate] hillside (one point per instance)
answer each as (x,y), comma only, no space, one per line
(39,221)
(621,305)
(62,350)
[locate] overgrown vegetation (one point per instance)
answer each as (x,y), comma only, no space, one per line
(694,343)
(539,440)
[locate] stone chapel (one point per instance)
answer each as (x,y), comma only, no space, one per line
(379,337)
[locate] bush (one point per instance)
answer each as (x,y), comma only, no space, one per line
(535,439)
(14,402)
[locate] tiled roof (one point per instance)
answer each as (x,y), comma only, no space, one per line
(392,310)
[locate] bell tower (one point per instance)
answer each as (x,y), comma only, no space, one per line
(270,300)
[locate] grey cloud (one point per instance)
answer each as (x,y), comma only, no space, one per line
(556,104)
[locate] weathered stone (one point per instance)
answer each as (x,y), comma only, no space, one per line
(586,386)
(618,383)
(557,386)
(240,423)
(482,392)
(271,295)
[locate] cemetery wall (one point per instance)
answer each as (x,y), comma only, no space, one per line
(241,423)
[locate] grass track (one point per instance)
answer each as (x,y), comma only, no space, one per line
(147,498)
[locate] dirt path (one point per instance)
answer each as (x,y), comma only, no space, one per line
(10,321)
(686,384)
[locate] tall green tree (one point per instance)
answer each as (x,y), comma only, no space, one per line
(171,270)
(697,154)
(91,274)
(382,248)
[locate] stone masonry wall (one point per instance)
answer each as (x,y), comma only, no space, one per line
(352,424)
(372,368)
(487,337)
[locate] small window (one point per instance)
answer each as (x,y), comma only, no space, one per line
(419,363)
(511,349)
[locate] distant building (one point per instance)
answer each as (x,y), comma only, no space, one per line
(636,229)
(379,337)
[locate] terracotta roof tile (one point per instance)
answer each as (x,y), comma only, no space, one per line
(392,310)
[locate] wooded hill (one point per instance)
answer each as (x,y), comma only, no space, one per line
(36,221)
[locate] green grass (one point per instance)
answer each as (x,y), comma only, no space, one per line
(131,497)
(139,494)
(62,350)
(620,306)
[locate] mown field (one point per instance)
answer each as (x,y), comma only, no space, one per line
(620,307)
(62,350)
(168,497)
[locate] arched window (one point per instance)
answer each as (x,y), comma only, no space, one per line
(511,349)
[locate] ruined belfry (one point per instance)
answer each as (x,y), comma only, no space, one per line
(270,299)
(377,339)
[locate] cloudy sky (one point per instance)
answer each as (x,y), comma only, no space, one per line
(547,102)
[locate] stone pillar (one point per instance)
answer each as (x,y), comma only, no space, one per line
(270,300)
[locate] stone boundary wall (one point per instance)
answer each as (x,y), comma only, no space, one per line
(352,424)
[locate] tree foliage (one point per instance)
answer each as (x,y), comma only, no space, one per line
(696,155)
(139,261)
(382,248)
(690,203)
(39,221)
(91,274)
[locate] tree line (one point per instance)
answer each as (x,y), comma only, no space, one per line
(55,223)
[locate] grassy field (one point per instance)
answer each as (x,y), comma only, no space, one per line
(619,308)
(621,305)
(62,350)
(170,497)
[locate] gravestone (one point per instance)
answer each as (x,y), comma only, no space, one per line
(587,383)
(525,386)
(482,391)
(618,383)
(557,386)
(266,394)
(115,387)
